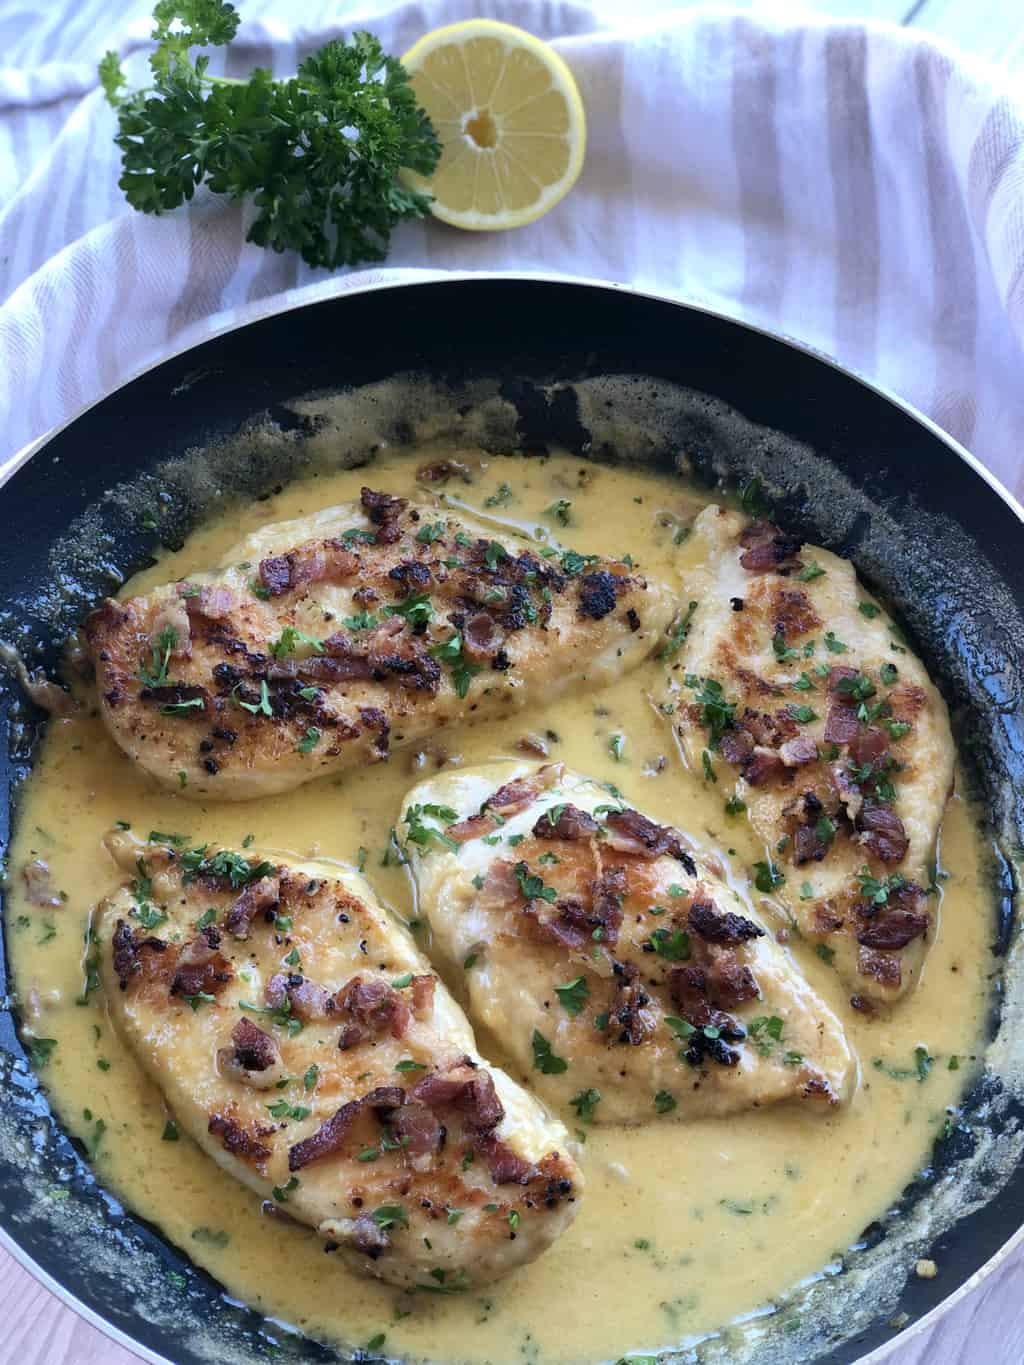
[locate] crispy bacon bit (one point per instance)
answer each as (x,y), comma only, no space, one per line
(882,832)
(37,884)
(609,890)
(634,833)
(211,602)
(504,1165)
(841,723)
(384,511)
(730,983)
(330,1136)
(766,547)
(481,637)
(514,796)
(365,1236)
(736,745)
(716,927)
(468,1089)
(423,988)
(417,1128)
(201,968)
(254,1049)
(257,898)
(868,746)
(763,766)
(796,752)
(629,1006)
(571,824)
(373,1007)
(532,743)
(304,998)
(442,470)
(894,930)
(237,1139)
(691,988)
(276,575)
(127,951)
(769,729)
(377,722)
(599,592)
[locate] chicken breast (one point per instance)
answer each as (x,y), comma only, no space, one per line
(303,1041)
(322,643)
(794,686)
(622,978)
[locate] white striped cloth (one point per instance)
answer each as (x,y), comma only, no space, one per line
(852,185)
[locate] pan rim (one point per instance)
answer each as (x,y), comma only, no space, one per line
(334,289)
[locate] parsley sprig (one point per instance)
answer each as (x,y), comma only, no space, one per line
(317,155)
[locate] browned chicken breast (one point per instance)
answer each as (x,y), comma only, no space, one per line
(303,1041)
(793,686)
(625,980)
(324,642)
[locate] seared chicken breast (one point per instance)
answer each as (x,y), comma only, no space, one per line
(303,1041)
(322,643)
(623,978)
(794,686)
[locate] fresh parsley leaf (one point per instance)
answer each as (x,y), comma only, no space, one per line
(348,118)
(531,886)
(573,995)
(678,633)
(803,715)
(717,714)
(544,1059)
(812,571)
(422,834)
(391,1216)
(767,877)
(868,609)
(664,1102)
(501,497)
(181,708)
(833,645)
(734,806)
(826,953)
(261,707)
(560,511)
(291,639)
(585,1103)
(309,740)
(40,1050)
(162,647)
(888,673)
(672,945)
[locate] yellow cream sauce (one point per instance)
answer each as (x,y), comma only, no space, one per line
(682,1227)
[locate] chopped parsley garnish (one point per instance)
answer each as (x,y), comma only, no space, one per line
(416,609)
(616,747)
(573,995)
(544,1059)
(258,590)
(261,707)
(198,1000)
(897,728)
(734,806)
(207,917)
(812,571)
(803,684)
(501,497)
(781,650)
(309,740)
(407,1064)
(752,498)
(531,886)
(833,645)
(574,564)
(767,877)
(803,715)
(391,1216)
(462,670)
(281,1192)
(878,891)
(868,609)
(825,829)
(170,1133)
(282,1109)
(282,1016)
(858,688)
(717,714)
(494,554)
(560,511)
(585,1103)
(162,647)
(429,532)
(289,641)
(806,891)
(423,834)
(238,870)
(363,620)
(709,771)
(310,1078)
(181,708)
(677,635)
(40,1050)
(826,953)
(888,673)
(672,945)
(664,1101)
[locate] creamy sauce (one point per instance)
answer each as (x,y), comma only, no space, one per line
(683,1228)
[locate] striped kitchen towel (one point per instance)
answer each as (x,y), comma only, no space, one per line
(852,185)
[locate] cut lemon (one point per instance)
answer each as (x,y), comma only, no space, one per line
(510,119)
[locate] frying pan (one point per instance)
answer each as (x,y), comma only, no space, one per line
(520,364)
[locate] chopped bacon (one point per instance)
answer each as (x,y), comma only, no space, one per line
(599,592)
(893,930)
(257,898)
(763,766)
(442,470)
(568,923)
(417,1128)
(769,728)
(37,884)
(882,832)
(127,951)
(736,745)
(839,674)
(571,824)
(634,833)
(765,547)
(237,1139)
(629,1006)
(481,637)
(468,1089)
(691,988)
(423,988)
(841,723)
(411,574)
(404,657)
(725,928)
(275,574)
(304,998)
(373,1007)
(201,969)
(254,1049)
(330,1136)
(504,1165)
(796,752)
(330,561)
(366,1236)
(868,746)
(532,743)
(513,797)
(808,845)
(384,511)
(731,983)
(609,890)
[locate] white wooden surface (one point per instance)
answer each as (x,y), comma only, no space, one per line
(988,1327)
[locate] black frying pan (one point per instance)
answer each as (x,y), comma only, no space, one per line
(840,462)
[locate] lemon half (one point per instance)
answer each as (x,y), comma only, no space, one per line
(510,119)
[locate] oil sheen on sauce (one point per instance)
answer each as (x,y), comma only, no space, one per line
(682,1227)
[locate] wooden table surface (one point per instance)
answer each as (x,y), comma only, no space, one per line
(988,1326)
